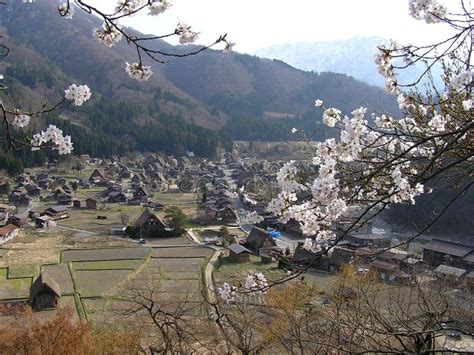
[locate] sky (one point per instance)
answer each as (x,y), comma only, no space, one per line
(256,24)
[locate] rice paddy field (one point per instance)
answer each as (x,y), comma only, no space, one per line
(105,254)
(13,288)
(95,281)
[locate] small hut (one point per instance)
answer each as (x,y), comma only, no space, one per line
(92,203)
(238,253)
(44,293)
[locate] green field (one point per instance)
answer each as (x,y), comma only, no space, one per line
(13,288)
(21,271)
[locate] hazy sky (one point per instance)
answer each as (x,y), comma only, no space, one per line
(255,24)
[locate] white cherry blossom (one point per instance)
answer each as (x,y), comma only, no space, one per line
(318,103)
(188,37)
(20,120)
(109,34)
(54,135)
(331,116)
(227,292)
(78,94)
(127,7)
(138,71)
(158,7)
(429,10)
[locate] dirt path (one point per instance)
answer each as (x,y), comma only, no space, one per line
(211,294)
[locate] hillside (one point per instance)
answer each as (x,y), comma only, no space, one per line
(188,104)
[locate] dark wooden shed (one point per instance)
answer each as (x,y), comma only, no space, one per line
(44,293)
(238,253)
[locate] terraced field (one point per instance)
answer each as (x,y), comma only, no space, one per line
(189,252)
(129,264)
(96,282)
(105,254)
(17,288)
(20,271)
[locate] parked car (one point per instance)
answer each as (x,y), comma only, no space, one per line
(142,241)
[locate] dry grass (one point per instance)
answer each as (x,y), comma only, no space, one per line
(186,252)
(105,254)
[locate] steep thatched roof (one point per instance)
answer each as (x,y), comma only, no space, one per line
(148,215)
(44,283)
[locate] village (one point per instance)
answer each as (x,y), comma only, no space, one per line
(81,238)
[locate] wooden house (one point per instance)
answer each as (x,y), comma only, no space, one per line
(56,212)
(91,203)
(293,227)
(41,176)
(228,214)
(125,173)
(238,253)
(42,221)
(369,240)
(116,197)
(8,232)
(44,293)
(19,197)
(149,223)
(450,273)
(140,193)
(387,271)
(64,200)
(33,190)
(22,179)
(437,252)
(97,178)
(19,220)
(44,184)
(259,238)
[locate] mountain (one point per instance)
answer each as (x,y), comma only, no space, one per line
(266,98)
(191,103)
(353,57)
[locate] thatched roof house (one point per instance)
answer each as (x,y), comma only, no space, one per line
(44,293)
